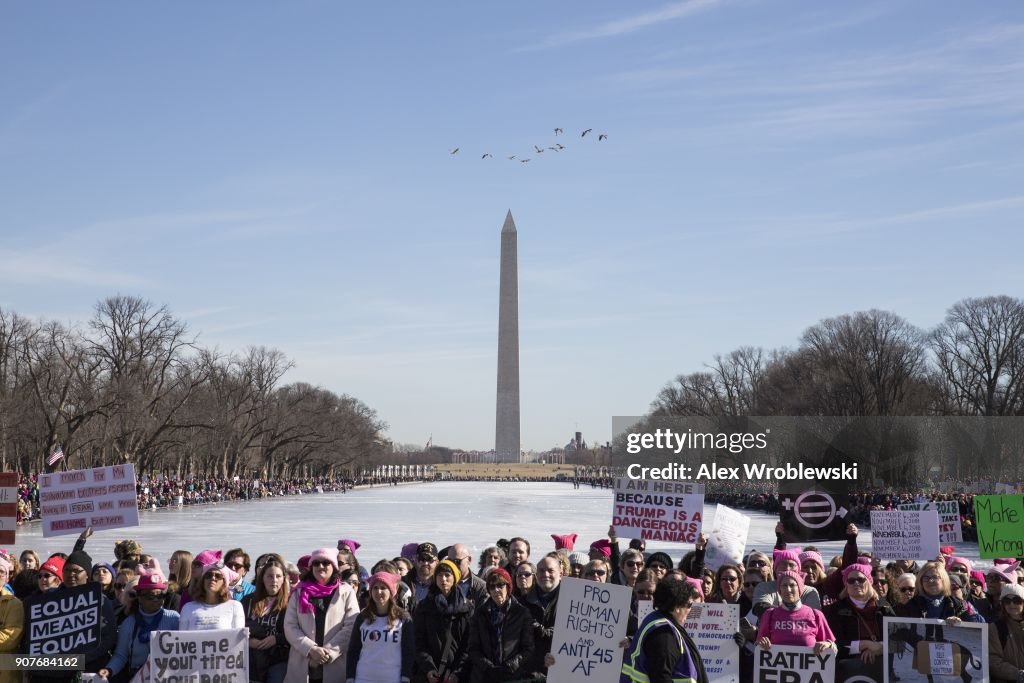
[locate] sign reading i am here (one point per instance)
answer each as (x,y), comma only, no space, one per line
(908,535)
(101,498)
(950,529)
(1000,521)
(656,510)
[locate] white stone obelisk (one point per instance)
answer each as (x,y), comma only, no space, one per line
(506,440)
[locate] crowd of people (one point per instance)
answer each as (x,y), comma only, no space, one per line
(445,615)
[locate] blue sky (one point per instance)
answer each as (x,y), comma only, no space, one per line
(278,174)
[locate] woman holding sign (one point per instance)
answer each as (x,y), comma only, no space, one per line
(794,623)
(145,615)
(662,651)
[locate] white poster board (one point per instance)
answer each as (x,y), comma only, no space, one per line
(591,620)
(712,625)
(931,651)
(657,510)
(899,535)
(794,665)
(727,539)
(950,529)
(207,655)
(101,498)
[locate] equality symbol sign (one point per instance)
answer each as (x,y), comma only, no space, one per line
(813,515)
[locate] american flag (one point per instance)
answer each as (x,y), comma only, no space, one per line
(55,457)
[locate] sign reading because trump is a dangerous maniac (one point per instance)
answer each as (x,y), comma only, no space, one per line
(911,535)
(63,622)
(591,619)
(101,498)
(221,656)
(950,529)
(712,625)
(656,510)
(1000,522)
(794,665)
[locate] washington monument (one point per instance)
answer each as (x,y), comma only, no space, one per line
(506,439)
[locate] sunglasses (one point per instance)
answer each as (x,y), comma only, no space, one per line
(151,596)
(655,566)
(595,572)
(730,579)
(237,566)
(855,580)
(524,575)
(634,564)
(751,584)
(757,563)
(320,563)
(1012,601)
(882,582)
(907,589)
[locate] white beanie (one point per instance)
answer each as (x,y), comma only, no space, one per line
(1012,589)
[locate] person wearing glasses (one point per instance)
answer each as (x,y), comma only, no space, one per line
(237,560)
(643,589)
(318,623)
(761,563)
(195,585)
(524,580)
(793,622)
(596,570)
(856,620)
(421,577)
(471,586)
(1006,637)
(660,563)
(933,599)
(442,627)
(630,565)
(213,607)
(145,615)
(541,603)
(662,651)
(904,589)
(501,634)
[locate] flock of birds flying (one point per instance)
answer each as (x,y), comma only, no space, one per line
(557,147)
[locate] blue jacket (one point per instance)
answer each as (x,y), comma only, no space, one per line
(129,651)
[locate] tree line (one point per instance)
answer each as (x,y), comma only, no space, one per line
(875,364)
(134,385)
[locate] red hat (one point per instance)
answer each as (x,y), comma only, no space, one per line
(54,565)
(500,573)
(603,546)
(566,541)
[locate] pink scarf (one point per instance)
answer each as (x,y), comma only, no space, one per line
(312,589)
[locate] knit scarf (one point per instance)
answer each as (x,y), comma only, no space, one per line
(313,589)
(146,623)
(452,604)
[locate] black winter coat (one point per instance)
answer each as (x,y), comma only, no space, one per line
(496,661)
(442,635)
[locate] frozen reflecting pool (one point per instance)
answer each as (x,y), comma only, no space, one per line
(382,519)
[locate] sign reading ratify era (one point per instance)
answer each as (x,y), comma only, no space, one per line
(658,510)
(794,665)
(101,498)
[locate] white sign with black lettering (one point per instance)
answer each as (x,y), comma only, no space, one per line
(591,619)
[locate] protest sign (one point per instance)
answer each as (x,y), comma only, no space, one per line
(950,530)
(932,651)
(908,535)
(1000,521)
(63,622)
(658,510)
(221,655)
(643,608)
(727,539)
(101,498)
(712,625)
(813,514)
(8,506)
(591,619)
(785,664)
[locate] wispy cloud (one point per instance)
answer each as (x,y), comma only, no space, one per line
(34,266)
(624,25)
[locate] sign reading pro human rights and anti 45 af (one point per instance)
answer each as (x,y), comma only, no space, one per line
(656,510)
(101,498)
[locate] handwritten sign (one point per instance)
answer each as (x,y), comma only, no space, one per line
(727,539)
(930,647)
(712,625)
(101,498)
(910,535)
(794,665)
(591,621)
(63,622)
(1000,521)
(8,506)
(221,655)
(950,529)
(657,510)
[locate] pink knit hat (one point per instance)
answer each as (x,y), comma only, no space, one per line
(209,556)
(1007,571)
(810,555)
(864,569)
(696,583)
(352,545)
(603,546)
(959,560)
(978,576)
(783,555)
(329,554)
(566,541)
(796,576)
(6,565)
(388,579)
(229,576)
(1003,560)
